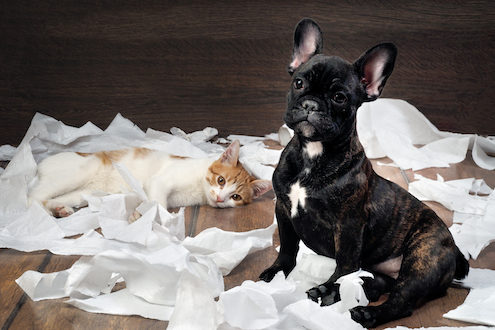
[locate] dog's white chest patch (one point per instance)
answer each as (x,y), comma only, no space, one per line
(313,149)
(297,196)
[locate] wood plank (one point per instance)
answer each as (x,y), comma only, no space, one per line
(12,265)
(224,63)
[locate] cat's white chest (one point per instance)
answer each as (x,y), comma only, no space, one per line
(297,197)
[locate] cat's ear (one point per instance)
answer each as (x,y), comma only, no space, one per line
(260,187)
(231,155)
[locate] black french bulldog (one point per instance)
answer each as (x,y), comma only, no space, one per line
(329,197)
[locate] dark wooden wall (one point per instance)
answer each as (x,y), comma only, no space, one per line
(193,64)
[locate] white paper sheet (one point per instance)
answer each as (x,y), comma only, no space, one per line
(454,195)
(195,306)
(394,128)
(479,306)
(123,302)
(228,249)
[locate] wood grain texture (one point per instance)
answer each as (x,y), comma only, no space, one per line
(12,265)
(220,63)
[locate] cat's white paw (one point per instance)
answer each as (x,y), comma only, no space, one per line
(134,216)
(62,211)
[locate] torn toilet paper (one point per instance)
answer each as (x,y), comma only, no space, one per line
(395,128)
(151,255)
(148,254)
(473,203)
(479,306)
(161,247)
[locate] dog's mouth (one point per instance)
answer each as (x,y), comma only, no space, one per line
(302,122)
(304,128)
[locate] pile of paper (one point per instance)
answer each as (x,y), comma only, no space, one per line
(151,254)
(182,275)
(167,276)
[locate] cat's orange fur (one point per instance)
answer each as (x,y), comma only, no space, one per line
(170,180)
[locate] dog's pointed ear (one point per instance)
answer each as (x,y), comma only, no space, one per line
(374,67)
(307,42)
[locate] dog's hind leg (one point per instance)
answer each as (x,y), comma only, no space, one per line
(426,272)
(376,286)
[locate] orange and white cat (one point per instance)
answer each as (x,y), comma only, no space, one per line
(172,181)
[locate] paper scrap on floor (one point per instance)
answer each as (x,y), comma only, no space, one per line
(158,264)
(118,254)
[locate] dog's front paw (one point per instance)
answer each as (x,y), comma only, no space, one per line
(268,274)
(329,295)
(365,315)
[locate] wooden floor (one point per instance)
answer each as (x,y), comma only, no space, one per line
(17,311)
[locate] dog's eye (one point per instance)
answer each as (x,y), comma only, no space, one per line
(339,98)
(298,84)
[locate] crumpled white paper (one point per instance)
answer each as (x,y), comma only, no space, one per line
(474,210)
(393,128)
(155,265)
(213,242)
(479,306)
(283,304)
(454,195)
(148,254)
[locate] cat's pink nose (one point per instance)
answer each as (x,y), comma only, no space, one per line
(219,199)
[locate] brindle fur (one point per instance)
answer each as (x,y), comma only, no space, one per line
(355,216)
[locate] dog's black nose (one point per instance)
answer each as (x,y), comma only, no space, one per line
(310,105)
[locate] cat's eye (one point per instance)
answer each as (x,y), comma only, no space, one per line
(236,197)
(339,98)
(298,83)
(221,180)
